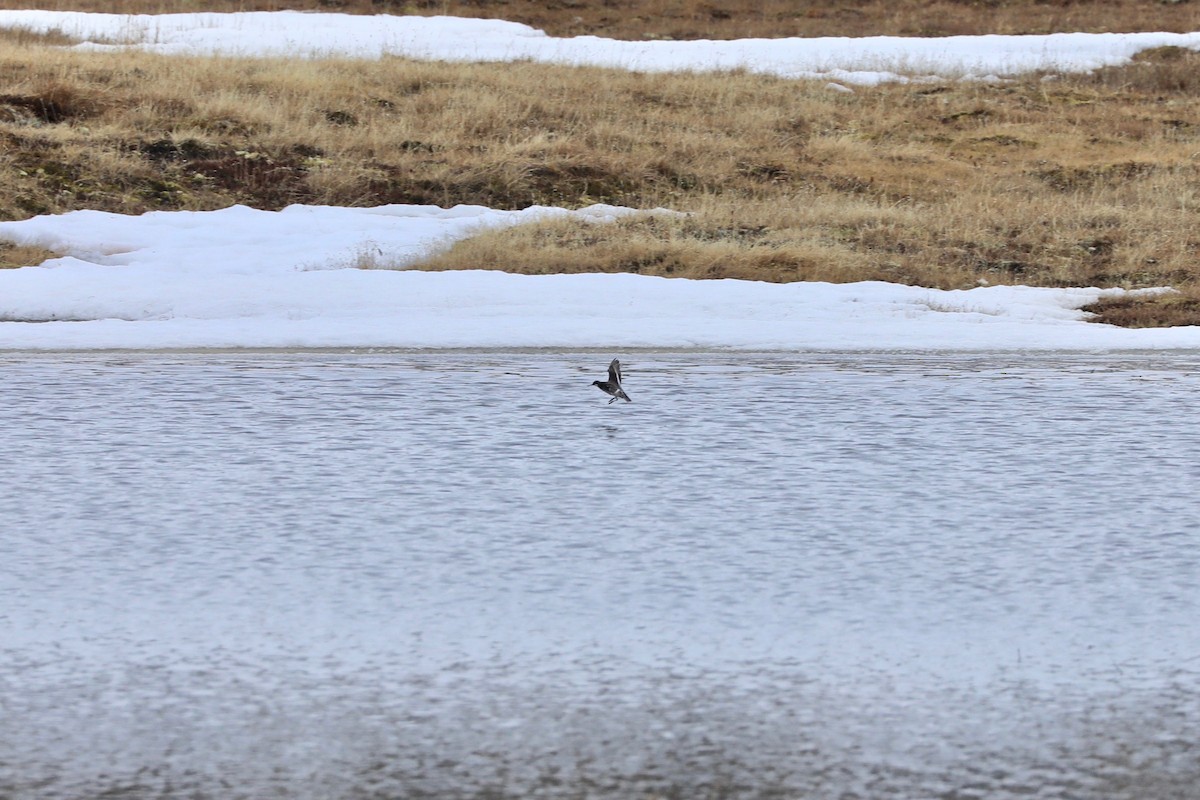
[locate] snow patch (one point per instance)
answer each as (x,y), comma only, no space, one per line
(865,61)
(241,277)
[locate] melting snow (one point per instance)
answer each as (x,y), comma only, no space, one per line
(239,277)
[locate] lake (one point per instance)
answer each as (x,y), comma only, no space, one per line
(334,574)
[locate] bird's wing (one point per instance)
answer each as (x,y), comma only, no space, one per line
(614,372)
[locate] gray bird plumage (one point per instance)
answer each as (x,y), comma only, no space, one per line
(613,384)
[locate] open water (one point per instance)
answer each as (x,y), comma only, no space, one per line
(465,575)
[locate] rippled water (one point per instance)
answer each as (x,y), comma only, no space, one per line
(465,575)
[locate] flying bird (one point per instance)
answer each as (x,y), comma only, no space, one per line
(613,384)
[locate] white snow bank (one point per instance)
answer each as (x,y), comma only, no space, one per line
(240,277)
(859,60)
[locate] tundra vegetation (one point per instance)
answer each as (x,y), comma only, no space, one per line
(1051,180)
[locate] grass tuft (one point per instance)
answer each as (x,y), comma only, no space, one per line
(50,104)
(17,255)
(23,36)
(1149,310)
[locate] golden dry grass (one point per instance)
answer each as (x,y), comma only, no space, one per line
(13,255)
(1075,180)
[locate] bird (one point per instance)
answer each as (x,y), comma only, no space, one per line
(613,384)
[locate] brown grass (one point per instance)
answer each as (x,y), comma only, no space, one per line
(1075,180)
(21,36)
(1150,311)
(730,19)
(16,255)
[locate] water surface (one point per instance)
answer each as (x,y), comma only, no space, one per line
(348,575)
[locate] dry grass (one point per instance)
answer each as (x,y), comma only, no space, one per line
(731,19)
(14,255)
(1150,311)
(1079,180)
(21,36)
